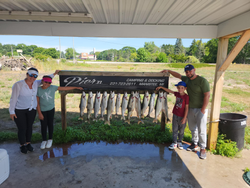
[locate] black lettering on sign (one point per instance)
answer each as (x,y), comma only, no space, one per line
(114,82)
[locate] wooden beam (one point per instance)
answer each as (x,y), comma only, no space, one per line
(235,51)
(63,111)
(233,35)
(217,94)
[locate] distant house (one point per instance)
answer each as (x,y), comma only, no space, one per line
(86,56)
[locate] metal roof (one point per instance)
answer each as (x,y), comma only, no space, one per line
(124,12)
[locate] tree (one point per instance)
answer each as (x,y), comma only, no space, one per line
(178,49)
(162,57)
(168,49)
(50,52)
(69,53)
(199,52)
(151,47)
(38,50)
(133,56)
(141,55)
(211,51)
(192,48)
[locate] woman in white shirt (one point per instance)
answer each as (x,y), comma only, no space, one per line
(23,105)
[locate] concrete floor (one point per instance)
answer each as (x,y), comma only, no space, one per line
(94,165)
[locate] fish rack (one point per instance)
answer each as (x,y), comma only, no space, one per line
(110,81)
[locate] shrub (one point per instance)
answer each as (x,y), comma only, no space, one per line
(192,59)
(63,60)
(225,147)
(42,57)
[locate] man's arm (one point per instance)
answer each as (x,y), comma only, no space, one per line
(173,73)
(205,101)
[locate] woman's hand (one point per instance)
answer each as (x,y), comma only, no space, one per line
(40,116)
(56,72)
(12,116)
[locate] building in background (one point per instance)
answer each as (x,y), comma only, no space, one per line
(86,56)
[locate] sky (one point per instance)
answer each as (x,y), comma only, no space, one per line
(86,44)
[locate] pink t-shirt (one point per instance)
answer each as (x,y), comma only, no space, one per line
(180,104)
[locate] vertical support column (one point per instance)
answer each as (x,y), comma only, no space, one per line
(217,93)
(163,121)
(63,110)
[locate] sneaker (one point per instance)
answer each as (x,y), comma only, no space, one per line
(43,144)
(203,154)
(23,149)
(173,146)
(49,143)
(192,147)
(29,147)
(179,145)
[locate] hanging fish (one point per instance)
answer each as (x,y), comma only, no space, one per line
(97,104)
(151,104)
(158,107)
(90,105)
(138,107)
(145,103)
(111,107)
(104,103)
(117,104)
(165,106)
(82,105)
(131,106)
(124,104)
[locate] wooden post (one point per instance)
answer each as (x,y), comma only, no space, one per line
(63,111)
(163,121)
(223,62)
(217,93)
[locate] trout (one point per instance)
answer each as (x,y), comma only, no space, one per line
(131,106)
(90,105)
(145,103)
(104,104)
(97,104)
(111,107)
(151,104)
(82,105)
(165,106)
(124,105)
(138,107)
(118,104)
(159,105)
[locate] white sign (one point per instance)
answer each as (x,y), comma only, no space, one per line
(19,51)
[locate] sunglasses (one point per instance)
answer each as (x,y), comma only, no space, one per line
(47,82)
(33,75)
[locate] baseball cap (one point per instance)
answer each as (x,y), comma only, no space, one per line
(189,67)
(181,83)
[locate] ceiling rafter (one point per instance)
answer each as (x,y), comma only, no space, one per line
(182,11)
(68,4)
(120,11)
(166,12)
(20,6)
(201,9)
(156,1)
(88,9)
(1,4)
(213,12)
(136,10)
(35,5)
(104,10)
(51,4)
(248,3)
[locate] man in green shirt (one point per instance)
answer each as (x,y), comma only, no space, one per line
(199,93)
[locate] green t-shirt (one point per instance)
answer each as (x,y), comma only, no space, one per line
(47,97)
(196,89)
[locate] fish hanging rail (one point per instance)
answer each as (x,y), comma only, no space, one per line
(113,81)
(118,82)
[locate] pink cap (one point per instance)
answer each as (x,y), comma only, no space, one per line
(46,79)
